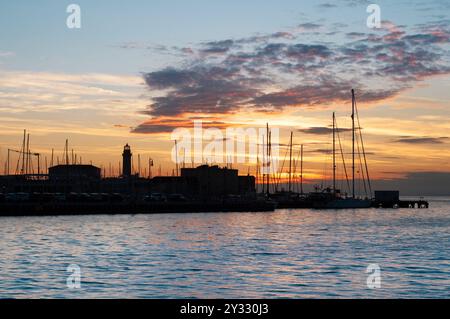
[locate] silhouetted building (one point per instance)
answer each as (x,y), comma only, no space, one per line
(216,181)
(127,156)
(203,182)
(174,185)
(74,172)
(387,196)
(247,185)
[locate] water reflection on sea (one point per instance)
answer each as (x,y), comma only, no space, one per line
(283,254)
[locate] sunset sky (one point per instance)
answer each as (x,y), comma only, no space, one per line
(137,70)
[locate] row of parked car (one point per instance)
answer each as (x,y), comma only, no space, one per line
(158,197)
(22,197)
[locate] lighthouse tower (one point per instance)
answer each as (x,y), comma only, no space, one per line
(126,169)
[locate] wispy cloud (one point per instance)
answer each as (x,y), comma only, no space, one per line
(45,91)
(327,5)
(422,140)
(309,26)
(322,130)
(4,54)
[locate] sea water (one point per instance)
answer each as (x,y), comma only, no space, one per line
(299,253)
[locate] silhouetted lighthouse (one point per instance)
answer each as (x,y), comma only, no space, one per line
(126,170)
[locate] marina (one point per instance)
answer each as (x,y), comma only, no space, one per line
(71,187)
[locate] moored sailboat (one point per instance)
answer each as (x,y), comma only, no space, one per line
(332,198)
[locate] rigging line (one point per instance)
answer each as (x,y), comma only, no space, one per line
(264,149)
(277,180)
(294,183)
(30,163)
(18,163)
(22,171)
(325,165)
(270,158)
(343,158)
(290,164)
(361,167)
(296,161)
(257,171)
(19,158)
(364,151)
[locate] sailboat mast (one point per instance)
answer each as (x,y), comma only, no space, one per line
(353,143)
(66,151)
(27,165)
(264,164)
(139,165)
(176,156)
(257,169)
(334,153)
(7,165)
(301,170)
(23,151)
(290,163)
(267,159)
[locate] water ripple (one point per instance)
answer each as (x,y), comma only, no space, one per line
(284,254)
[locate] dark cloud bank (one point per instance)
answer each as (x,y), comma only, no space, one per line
(418,184)
(272,72)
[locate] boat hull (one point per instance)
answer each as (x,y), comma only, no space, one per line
(346,203)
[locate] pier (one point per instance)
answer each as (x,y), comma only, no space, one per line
(132,207)
(70,187)
(401,204)
(391,199)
